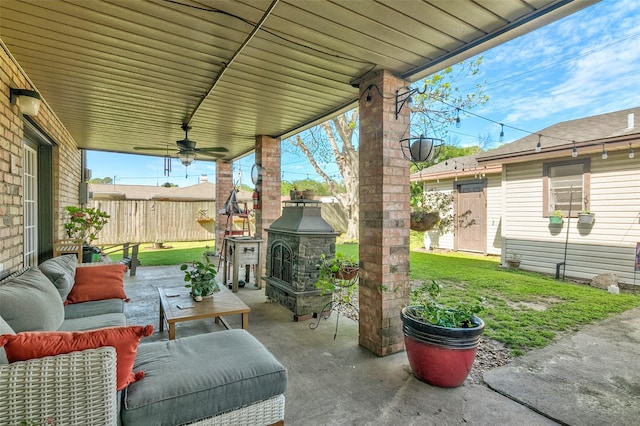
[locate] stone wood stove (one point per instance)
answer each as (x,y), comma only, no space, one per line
(295,244)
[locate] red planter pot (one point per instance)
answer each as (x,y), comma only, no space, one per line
(440,356)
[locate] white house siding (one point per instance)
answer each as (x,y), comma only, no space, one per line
(493,214)
(444,241)
(606,246)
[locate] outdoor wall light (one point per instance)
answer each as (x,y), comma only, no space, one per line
(27,100)
(420,149)
(186,157)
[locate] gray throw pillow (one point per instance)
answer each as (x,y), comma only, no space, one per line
(61,271)
(28,302)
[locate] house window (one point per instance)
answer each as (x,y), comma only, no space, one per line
(566,186)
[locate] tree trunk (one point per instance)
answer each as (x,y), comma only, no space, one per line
(336,142)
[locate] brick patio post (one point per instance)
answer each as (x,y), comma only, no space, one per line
(268,156)
(224,186)
(384,216)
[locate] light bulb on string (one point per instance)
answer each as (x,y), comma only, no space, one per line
(631,153)
(457,118)
(501,132)
(539,144)
(604,153)
(574,151)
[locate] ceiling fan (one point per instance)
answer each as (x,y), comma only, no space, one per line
(187,150)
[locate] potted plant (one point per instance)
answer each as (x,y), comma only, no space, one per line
(341,267)
(203,217)
(555,218)
(440,341)
(295,194)
(83,225)
(201,278)
(586,217)
(337,276)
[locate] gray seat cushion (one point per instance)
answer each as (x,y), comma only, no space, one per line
(29,302)
(61,271)
(91,323)
(200,376)
(95,307)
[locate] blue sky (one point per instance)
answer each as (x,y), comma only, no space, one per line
(583,65)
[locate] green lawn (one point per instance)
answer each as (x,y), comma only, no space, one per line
(523,310)
(174,254)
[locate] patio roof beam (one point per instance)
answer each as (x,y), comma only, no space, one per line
(235,55)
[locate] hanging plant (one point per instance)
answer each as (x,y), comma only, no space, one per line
(203,217)
(433,212)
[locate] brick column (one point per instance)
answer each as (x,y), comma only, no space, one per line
(384,217)
(224,186)
(268,156)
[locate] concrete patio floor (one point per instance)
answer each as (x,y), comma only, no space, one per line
(336,382)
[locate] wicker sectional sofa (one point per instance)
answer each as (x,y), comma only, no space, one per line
(225,377)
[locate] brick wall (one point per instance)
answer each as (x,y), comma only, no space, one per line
(268,156)
(224,186)
(66,165)
(384,217)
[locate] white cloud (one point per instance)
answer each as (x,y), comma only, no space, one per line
(602,74)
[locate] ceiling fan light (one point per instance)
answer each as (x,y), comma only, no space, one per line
(186,158)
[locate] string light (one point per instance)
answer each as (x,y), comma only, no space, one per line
(574,152)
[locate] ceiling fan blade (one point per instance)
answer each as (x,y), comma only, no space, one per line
(214,149)
(148,148)
(208,154)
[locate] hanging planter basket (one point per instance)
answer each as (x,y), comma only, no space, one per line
(421,220)
(555,220)
(346,273)
(586,218)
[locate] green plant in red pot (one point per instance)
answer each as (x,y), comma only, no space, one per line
(440,341)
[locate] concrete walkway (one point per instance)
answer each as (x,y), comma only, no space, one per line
(589,378)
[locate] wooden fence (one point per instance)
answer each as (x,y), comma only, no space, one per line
(146,221)
(140,221)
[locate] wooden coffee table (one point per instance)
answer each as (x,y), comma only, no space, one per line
(176,305)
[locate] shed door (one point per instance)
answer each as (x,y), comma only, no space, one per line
(471,217)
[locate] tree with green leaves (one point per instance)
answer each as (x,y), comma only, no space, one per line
(107,180)
(336,140)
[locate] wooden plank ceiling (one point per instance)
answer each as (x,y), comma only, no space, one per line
(127,73)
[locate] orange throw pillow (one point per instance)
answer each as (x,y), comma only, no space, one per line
(98,283)
(38,344)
